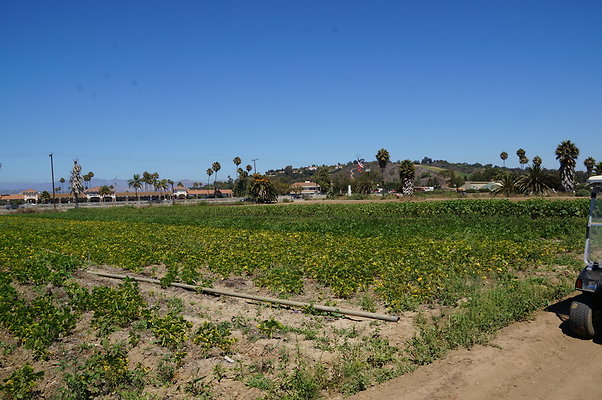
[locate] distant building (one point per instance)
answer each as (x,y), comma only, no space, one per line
(305,188)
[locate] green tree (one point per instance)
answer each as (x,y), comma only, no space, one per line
(504,157)
(366,182)
(589,163)
(322,178)
(506,184)
(407,173)
(45,197)
(262,190)
(534,182)
(598,168)
(76,182)
(136,183)
(537,160)
(104,191)
(382,156)
(248,168)
(567,154)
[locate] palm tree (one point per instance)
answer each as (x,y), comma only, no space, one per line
(86,180)
(383,159)
(262,190)
(534,182)
(504,157)
(598,168)
(521,156)
(209,173)
(567,154)
(147,179)
(136,183)
(76,182)
(90,175)
(537,160)
(589,163)
(237,161)
(173,197)
(506,184)
(248,168)
(154,179)
(216,167)
(407,174)
(523,161)
(104,191)
(62,180)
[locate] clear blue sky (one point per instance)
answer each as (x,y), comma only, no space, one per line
(172,86)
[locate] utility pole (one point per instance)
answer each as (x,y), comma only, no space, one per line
(52,172)
(254,169)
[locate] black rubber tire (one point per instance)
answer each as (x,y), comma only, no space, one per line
(581,319)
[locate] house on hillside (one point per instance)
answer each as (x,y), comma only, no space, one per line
(307,188)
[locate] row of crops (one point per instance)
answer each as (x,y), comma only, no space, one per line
(404,254)
(409,253)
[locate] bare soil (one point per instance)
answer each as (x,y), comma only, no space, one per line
(537,359)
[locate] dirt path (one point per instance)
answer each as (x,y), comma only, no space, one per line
(537,359)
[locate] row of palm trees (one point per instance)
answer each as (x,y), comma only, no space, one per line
(566,153)
(537,182)
(152,180)
(407,172)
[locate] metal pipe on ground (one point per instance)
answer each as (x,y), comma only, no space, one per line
(291,303)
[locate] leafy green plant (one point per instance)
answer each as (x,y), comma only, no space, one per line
(105,372)
(171,330)
(211,335)
(21,383)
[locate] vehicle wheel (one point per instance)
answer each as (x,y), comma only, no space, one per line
(581,319)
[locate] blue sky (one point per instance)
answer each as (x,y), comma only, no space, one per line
(172,86)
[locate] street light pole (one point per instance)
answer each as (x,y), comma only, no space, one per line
(52,172)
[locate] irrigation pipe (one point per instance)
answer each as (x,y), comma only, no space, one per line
(356,313)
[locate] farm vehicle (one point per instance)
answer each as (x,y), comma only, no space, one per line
(586,310)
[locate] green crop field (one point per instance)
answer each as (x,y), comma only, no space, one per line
(397,256)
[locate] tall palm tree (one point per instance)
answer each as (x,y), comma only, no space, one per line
(237,161)
(567,154)
(136,182)
(76,182)
(90,176)
(589,163)
(598,168)
(216,167)
(382,156)
(155,179)
(504,157)
(173,194)
(209,173)
(62,180)
(537,160)
(147,179)
(248,168)
(407,174)
(521,156)
(86,179)
(536,181)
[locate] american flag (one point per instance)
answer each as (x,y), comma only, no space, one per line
(360,166)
